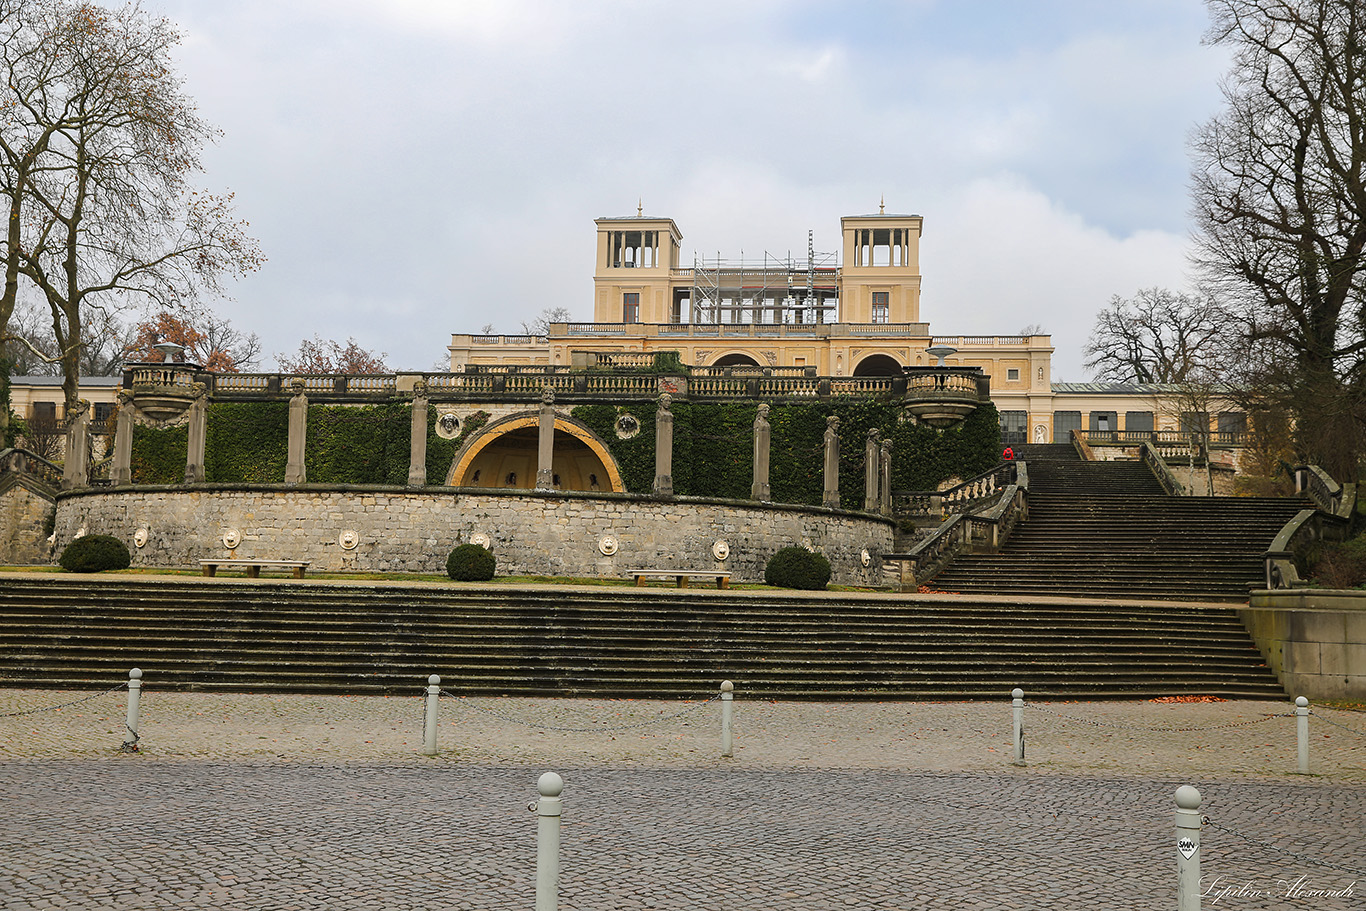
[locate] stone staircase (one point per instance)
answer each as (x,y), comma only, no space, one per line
(1107,529)
(325,637)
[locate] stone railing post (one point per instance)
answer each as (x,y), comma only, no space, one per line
(547,809)
(759,490)
(664,448)
(1302,734)
(871,469)
(830,497)
(429,717)
(545,442)
(727,716)
(130,737)
(121,472)
(417,450)
(196,432)
(76,471)
(1187,848)
(295,472)
(885,485)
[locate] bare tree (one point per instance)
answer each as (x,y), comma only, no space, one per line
(540,323)
(208,339)
(111,215)
(1156,336)
(330,356)
(1279,188)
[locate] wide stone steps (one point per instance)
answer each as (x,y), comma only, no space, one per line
(375,638)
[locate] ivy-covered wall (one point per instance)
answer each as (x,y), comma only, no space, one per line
(714,447)
(159,455)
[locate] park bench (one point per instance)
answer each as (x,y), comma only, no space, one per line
(680,576)
(254,567)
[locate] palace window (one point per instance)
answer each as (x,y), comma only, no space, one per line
(630,307)
(881,306)
(1013,374)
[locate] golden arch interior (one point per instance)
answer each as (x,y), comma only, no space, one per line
(505,459)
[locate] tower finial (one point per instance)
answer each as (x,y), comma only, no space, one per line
(882,205)
(640,208)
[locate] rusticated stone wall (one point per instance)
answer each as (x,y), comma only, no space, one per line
(23,525)
(530,532)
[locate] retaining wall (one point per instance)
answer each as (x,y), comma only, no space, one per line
(1314,639)
(531,533)
(23,523)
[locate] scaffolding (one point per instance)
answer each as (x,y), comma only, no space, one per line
(771,291)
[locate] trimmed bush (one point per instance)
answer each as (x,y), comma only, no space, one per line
(470,563)
(797,567)
(94,554)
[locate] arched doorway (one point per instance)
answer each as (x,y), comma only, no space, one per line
(503,456)
(735,360)
(878,365)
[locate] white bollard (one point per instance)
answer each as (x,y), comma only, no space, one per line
(1017,724)
(548,841)
(1187,848)
(727,713)
(130,737)
(1302,733)
(429,720)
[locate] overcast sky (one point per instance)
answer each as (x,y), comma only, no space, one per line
(415,168)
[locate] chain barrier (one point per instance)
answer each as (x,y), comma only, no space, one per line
(1150,730)
(1280,851)
(53,708)
(1328,720)
(464,701)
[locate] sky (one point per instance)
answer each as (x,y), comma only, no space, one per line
(414,168)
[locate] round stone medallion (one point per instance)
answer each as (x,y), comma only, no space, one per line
(481,539)
(448,425)
(721,549)
(140,536)
(348,540)
(231,538)
(607,545)
(627,426)
(865,558)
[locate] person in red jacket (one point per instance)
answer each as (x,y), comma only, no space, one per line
(1008,455)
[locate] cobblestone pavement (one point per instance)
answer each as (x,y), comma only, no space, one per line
(285,802)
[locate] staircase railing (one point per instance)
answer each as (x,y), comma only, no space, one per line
(1148,455)
(962,533)
(1308,527)
(1083,448)
(1330,496)
(968,496)
(20,461)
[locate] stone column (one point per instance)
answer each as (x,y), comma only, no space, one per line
(122,470)
(417,451)
(886,465)
(664,448)
(198,429)
(545,442)
(76,470)
(298,434)
(831,496)
(759,489)
(871,469)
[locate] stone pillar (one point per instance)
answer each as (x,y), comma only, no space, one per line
(759,489)
(122,470)
(664,448)
(417,451)
(545,442)
(76,469)
(871,469)
(198,429)
(298,434)
(885,500)
(831,496)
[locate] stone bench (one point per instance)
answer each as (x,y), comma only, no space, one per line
(253,567)
(680,576)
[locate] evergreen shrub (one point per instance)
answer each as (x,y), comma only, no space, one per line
(94,554)
(470,563)
(797,567)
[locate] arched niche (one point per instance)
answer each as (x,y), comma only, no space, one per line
(878,365)
(503,456)
(735,359)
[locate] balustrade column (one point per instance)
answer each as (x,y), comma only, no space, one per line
(871,460)
(122,470)
(196,432)
(831,496)
(664,448)
(759,490)
(295,473)
(417,450)
(545,442)
(75,472)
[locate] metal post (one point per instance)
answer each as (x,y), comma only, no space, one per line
(548,842)
(727,713)
(130,738)
(1187,848)
(429,721)
(1302,732)
(1017,724)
